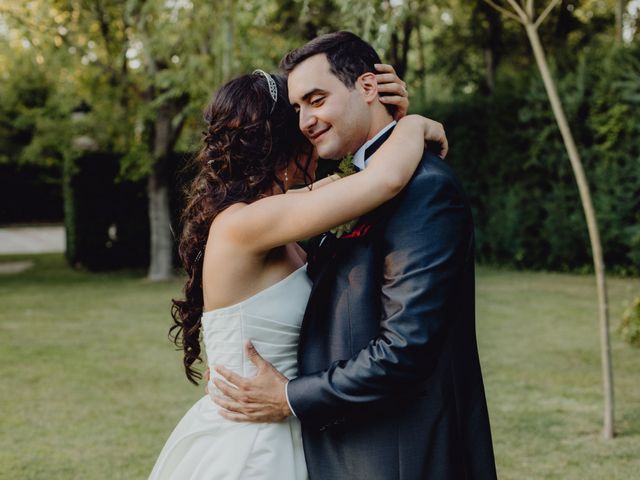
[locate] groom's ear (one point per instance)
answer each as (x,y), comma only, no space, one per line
(368,85)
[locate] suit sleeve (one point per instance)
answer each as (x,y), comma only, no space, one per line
(426,242)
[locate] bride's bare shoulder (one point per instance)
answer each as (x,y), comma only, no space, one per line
(221,246)
(228,233)
(236,224)
(226,219)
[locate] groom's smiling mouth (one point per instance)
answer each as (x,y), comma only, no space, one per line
(317,134)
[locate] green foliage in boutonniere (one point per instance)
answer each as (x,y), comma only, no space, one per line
(345,168)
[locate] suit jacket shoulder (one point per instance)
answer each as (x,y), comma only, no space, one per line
(433,171)
(434,182)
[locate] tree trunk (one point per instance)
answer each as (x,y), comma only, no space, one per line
(594,234)
(565,22)
(160,266)
(228,36)
(422,65)
(620,6)
(492,44)
(400,47)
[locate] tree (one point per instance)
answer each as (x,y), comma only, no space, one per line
(147,68)
(523,12)
(131,62)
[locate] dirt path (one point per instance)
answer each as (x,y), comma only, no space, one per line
(17,240)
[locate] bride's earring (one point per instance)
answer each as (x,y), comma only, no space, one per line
(286,178)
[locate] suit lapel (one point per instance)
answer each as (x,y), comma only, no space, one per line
(323,257)
(321,262)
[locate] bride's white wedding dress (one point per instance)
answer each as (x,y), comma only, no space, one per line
(205,446)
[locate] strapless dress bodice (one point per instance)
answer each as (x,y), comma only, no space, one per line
(271,319)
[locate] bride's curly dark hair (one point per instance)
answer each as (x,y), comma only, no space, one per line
(247,143)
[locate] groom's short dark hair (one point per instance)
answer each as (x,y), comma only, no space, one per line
(349,56)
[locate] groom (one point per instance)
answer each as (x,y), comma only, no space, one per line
(390,385)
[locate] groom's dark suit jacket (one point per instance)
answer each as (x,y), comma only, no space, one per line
(390,384)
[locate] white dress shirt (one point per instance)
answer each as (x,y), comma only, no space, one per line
(358,157)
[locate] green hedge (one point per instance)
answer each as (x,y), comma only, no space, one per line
(106,217)
(509,154)
(106,220)
(30,193)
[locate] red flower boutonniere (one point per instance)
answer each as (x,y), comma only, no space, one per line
(360,231)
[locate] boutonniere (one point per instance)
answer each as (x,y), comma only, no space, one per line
(346,230)
(358,231)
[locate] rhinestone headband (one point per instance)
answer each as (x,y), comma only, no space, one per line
(273,88)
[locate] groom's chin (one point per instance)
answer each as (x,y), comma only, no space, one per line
(329,153)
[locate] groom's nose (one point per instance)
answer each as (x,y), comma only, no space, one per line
(306,120)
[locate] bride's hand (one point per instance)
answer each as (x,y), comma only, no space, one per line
(394,87)
(390,83)
(433,132)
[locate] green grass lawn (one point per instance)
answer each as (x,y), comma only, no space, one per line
(91,388)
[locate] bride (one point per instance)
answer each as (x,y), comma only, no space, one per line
(247,275)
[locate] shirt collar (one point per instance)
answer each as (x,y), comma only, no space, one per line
(359,159)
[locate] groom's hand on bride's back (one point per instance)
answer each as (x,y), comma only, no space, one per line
(260,398)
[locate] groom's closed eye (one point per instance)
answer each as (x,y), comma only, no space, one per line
(317,101)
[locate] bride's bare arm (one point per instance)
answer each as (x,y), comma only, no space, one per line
(280,219)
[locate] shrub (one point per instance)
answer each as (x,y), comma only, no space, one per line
(509,154)
(630,326)
(106,220)
(30,193)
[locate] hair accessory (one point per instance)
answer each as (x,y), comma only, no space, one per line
(273,88)
(198,257)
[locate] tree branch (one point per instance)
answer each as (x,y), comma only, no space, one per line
(530,8)
(521,13)
(503,10)
(546,12)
